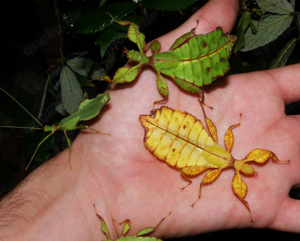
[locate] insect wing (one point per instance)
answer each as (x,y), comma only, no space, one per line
(176,137)
(69,123)
(88,109)
(204,57)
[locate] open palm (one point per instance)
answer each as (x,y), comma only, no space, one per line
(124,180)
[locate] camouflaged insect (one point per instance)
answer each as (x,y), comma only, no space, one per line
(180,139)
(191,62)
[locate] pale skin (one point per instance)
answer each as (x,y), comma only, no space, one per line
(125,181)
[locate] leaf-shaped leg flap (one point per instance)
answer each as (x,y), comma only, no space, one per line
(155,46)
(136,36)
(183,38)
(162,86)
(208,178)
(126,74)
(150,229)
(229,137)
(191,171)
(103,224)
(240,189)
(133,33)
(261,156)
(126,226)
(210,125)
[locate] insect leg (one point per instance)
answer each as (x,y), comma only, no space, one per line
(155,46)
(103,224)
(229,137)
(208,178)
(182,172)
(38,148)
(201,101)
(69,147)
(183,38)
(150,229)
(210,126)
(126,226)
(162,88)
(191,171)
(83,127)
(240,189)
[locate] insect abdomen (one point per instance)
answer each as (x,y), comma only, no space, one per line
(175,137)
(204,57)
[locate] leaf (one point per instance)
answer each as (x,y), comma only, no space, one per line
(269,27)
(240,31)
(107,37)
(85,67)
(84,81)
(98,19)
(275,6)
(167,5)
(281,59)
(70,18)
(71,92)
(61,110)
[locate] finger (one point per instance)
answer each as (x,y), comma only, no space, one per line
(288,217)
(214,14)
(288,80)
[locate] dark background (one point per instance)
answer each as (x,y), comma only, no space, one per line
(31,46)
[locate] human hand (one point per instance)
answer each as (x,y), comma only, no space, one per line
(149,189)
(124,180)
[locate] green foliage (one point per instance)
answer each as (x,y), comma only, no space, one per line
(91,45)
(70,90)
(97,20)
(277,19)
(284,54)
(167,5)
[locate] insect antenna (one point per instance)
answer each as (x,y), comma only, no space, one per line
(27,113)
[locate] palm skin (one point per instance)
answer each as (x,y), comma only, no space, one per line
(125,181)
(144,189)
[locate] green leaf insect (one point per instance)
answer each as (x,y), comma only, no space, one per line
(137,237)
(191,62)
(88,109)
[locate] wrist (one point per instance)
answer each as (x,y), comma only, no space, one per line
(52,197)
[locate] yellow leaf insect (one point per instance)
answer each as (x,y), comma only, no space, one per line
(181,140)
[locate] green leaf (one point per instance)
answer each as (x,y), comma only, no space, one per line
(110,61)
(84,81)
(284,54)
(167,5)
(71,92)
(240,31)
(85,67)
(98,19)
(61,110)
(275,6)
(269,27)
(107,37)
(71,17)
